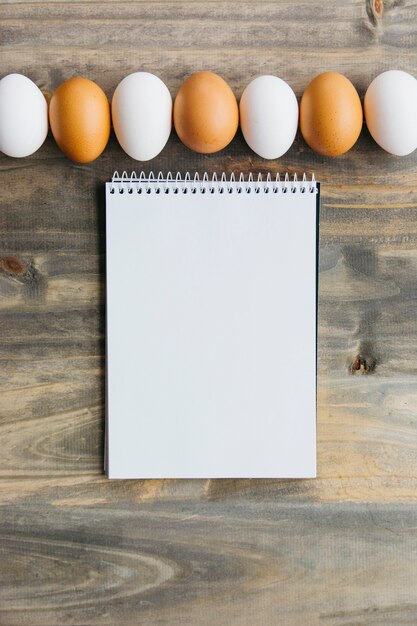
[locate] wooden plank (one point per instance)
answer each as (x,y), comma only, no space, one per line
(214,562)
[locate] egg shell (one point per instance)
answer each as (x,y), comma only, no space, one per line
(79,115)
(23,116)
(390,106)
(269,116)
(142,115)
(206,113)
(331,115)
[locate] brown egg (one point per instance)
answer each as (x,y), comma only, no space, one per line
(79,116)
(206,114)
(330,114)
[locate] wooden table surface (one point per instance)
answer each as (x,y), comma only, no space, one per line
(78,549)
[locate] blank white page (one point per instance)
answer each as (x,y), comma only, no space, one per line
(211,333)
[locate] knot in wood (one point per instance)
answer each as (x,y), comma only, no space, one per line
(362,364)
(12,265)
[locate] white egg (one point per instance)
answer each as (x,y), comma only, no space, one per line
(391,111)
(23,116)
(269,116)
(142,115)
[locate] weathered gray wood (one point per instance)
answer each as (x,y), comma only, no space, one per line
(78,549)
(212,562)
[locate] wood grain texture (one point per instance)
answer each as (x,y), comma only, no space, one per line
(78,549)
(183,562)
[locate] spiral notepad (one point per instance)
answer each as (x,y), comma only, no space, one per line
(211,326)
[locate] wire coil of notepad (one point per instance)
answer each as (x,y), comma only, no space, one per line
(178,183)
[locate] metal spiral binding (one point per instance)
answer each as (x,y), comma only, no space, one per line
(178,184)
